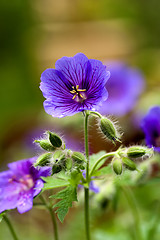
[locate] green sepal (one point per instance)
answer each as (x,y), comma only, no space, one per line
(55,140)
(45,144)
(78,157)
(108,129)
(129,164)
(43,160)
(68,163)
(117,166)
(56,168)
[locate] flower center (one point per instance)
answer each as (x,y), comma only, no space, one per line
(78,93)
(26,182)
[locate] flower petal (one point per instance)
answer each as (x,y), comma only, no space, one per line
(25,202)
(60,109)
(75,69)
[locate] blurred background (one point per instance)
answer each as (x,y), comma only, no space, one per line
(34,34)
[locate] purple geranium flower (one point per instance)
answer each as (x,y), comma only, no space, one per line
(124,87)
(92,185)
(76,84)
(151,127)
(20,184)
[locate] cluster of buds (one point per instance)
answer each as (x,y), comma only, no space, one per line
(57,157)
(127,158)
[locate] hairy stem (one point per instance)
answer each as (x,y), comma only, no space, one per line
(86,190)
(104,156)
(54,222)
(10,227)
(96,113)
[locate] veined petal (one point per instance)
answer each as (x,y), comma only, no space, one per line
(60,108)
(75,69)
(55,85)
(25,202)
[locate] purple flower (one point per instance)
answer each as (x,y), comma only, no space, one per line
(124,87)
(76,84)
(92,185)
(20,184)
(151,127)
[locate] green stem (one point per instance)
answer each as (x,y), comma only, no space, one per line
(86,190)
(86,144)
(96,113)
(104,156)
(54,222)
(10,227)
(135,212)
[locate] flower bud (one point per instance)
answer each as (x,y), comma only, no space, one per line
(138,151)
(55,140)
(68,163)
(129,164)
(45,145)
(78,157)
(117,166)
(56,168)
(59,156)
(74,173)
(43,160)
(108,129)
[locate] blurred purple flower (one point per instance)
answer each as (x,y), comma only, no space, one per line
(92,185)
(124,87)
(76,84)
(151,127)
(20,184)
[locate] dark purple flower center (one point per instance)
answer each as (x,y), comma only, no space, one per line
(78,94)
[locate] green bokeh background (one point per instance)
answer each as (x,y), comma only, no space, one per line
(34,34)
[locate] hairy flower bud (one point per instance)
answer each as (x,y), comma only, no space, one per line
(108,129)
(45,145)
(68,163)
(78,157)
(117,166)
(139,151)
(43,160)
(55,140)
(129,164)
(56,168)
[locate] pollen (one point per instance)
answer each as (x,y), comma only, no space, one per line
(77,92)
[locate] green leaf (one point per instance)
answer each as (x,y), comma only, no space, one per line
(53,182)
(67,196)
(94,158)
(104,171)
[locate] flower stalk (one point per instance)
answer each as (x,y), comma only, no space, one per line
(86,189)
(54,222)
(8,222)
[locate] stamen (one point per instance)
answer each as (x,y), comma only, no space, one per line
(77,91)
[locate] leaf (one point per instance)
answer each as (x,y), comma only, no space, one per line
(104,171)
(67,196)
(94,158)
(52,182)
